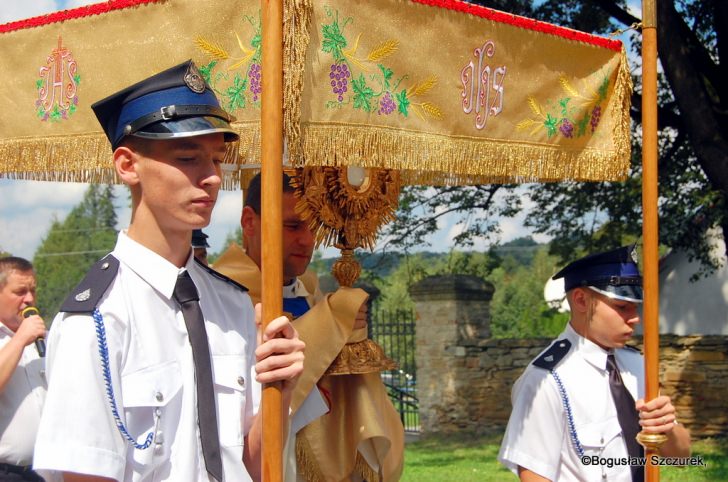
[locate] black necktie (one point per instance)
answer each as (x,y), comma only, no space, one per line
(185,293)
(627,416)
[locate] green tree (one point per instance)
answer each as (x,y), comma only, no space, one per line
(693,147)
(73,245)
(518,309)
(414,267)
(235,236)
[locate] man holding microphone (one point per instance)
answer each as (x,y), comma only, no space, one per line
(22,378)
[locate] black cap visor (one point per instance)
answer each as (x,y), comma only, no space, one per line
(188,127)
(631,293)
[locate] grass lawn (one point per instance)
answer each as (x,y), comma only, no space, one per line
(467,459)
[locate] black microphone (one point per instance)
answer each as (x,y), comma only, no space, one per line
(39,342)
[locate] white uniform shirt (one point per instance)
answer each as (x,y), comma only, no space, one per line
(153,377)
(538,436)
(21,402)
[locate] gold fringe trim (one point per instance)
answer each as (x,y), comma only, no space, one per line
(623,100)
(88,158)
(361,357)
(79,158)
(435,159)
(307,466)
(297,16)
(362,468)
(309,470)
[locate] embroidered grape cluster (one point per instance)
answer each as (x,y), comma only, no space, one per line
(567,128)
(596,115)
(386,104)
(339,76)
(254,76)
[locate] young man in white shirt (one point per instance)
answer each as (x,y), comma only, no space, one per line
(583,396)
(134,395)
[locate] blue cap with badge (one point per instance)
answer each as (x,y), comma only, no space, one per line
(199,239)
(172,104)
(614,274)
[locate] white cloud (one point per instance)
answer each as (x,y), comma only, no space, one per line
(22,235)
(30,194)
(20,9)
(68,4)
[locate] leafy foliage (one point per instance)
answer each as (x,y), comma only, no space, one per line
(421,208)
(518,271)
(73,245)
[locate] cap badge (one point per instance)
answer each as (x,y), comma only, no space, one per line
(194,80)
(83,295)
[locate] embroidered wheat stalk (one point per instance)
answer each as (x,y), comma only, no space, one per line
(432,110)
(212,49)
(383,50)
(423,87)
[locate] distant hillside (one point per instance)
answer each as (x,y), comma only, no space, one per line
(381,265)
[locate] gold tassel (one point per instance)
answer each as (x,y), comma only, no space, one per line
(361,357)
(296,36)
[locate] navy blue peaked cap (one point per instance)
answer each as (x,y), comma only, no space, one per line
(199,239)
(171,104)
(613,273)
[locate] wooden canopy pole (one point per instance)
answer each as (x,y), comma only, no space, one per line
(650,313)
(271,219)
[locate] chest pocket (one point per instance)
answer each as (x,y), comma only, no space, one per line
(601,436)
(152,402)
(231,378)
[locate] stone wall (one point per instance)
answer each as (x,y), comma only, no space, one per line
(464,378)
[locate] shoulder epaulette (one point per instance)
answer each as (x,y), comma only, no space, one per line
(86,295)
(633,348)
(220,276)
(551,357)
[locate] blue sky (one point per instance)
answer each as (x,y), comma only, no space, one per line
(27,209)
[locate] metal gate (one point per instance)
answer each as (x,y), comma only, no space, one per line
(395,332)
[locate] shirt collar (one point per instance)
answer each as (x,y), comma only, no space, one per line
(588,350)
(295,289)
(159,273)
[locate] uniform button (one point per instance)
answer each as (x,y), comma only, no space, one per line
(241,381)
(159,396)
(105,266)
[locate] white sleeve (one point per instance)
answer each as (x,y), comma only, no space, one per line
(535,431)
(77,431)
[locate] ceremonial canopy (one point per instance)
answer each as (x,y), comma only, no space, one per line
(445,91)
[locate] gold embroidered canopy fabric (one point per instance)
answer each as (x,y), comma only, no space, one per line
(445,91)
